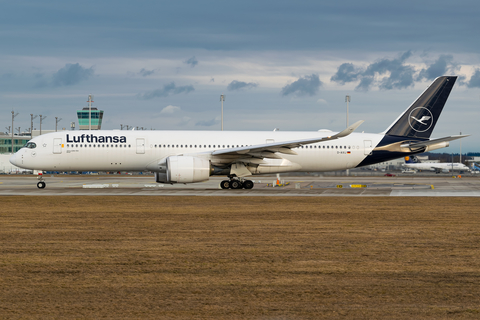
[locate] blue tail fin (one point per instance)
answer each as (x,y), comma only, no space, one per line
(411,159)
(420,118)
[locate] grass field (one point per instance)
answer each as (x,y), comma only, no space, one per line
(239,258)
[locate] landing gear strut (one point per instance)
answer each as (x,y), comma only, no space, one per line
(41,184)
(236,183)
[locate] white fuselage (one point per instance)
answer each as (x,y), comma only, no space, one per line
(117,150)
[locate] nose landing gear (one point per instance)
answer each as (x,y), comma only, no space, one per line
(41,184)
(236,183)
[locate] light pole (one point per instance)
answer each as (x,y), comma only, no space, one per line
(222,98)
(90,97)
(460,148)
(57,120)
(13,117)
(32,117)
(41,120)
(347,100)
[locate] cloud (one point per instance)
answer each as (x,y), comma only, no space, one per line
(474,80)
(192,62)
(322,101)
(184,121)
(308,85)
(168,89)
(208,123)
(71,74)
(346,73)
(238,85)
(170,110)
(439,68)
(145,73)
(387,74)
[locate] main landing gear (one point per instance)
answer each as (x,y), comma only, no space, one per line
(236,183)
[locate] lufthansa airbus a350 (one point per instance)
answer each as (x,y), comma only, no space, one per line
(194,156)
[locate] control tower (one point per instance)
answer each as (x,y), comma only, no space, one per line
(90,118)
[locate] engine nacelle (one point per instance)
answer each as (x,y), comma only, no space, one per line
(183,169)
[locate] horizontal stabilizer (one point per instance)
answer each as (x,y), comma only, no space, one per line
(426,143)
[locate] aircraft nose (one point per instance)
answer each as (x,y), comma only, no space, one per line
(13,159)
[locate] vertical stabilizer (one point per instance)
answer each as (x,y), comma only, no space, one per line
(420,118)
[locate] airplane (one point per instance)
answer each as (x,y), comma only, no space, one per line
(194,156)
(474,168)
(413,163)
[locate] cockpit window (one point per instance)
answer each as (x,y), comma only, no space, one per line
(30,145)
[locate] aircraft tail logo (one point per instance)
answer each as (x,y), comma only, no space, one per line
(419,120)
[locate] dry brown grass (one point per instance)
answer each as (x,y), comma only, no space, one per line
(239,258)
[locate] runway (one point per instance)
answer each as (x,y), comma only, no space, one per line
(304,186)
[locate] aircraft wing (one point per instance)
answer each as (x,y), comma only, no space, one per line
(426,143)
(269,150)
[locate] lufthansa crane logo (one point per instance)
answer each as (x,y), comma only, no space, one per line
(420,119)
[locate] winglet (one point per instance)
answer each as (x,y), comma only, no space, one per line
(347,131)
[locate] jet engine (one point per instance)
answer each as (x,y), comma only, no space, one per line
(183,169)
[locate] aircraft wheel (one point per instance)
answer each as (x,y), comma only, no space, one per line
(235,184)
(225,184)
(41,185)
(248,184)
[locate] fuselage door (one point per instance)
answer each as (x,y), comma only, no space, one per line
(140,145)
(57,145)
(368,148)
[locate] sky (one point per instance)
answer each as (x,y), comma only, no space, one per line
(280,64)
